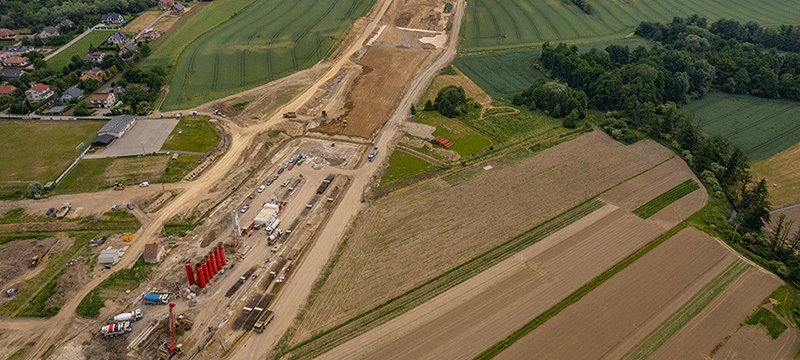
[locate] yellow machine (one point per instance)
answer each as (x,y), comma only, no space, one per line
(128,237)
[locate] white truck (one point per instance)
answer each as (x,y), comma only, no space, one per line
(274,226)
(372,154)
(156,299)
(132,316)
(112,330)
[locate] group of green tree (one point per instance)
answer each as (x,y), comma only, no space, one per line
(66,34)
(38,14)
(451,101)
(640,91)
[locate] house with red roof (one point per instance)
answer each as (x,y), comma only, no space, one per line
(16,61)
(7,89)
(102,100)
(6,33)
(38,93)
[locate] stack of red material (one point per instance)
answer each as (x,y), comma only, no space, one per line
(442,141)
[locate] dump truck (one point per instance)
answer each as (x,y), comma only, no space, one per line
(156,299)
(372,154)
(63,210)
(290,115)
(112,330)
(262,323)
(132,316)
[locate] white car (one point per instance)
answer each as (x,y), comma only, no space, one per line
(244,209)
(261,188)
(144,184)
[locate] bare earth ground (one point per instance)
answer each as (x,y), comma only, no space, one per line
(141,22)
(753,343)
(701,335)
(375,93)
(470,218)
(782,172)
(17,257)
(505,297)
(611,319)
(472,89)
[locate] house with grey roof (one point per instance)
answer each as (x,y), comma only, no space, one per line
(17,50)
(47,32)
(117,126)
(9,74)
(112,19)
(119,39)
(72,92)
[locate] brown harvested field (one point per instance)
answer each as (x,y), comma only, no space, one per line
(166,22)
(376,91)
(472,89)
(782,172)
(701,335)
(142,21)
(614,317)
(414,235)
(753,343)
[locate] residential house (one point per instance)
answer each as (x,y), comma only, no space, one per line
(6,33)
(4,55)
(102,100)
(7,89)
(117,126)
(112,19)
(9,74)
(72,92)
(119,39)
(38,93)
(93,73)
(65,23)
(56,110)
(127,48)
(16,61)
(152,253)
(149,34)
(96,56)
(177,9)
(47,32)
(166,4)
(16,50)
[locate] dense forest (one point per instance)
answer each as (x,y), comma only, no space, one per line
(38,14)
(640,90)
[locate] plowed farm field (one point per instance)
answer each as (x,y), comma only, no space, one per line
(412,236)
(374,94)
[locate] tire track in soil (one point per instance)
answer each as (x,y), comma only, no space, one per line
(307,30)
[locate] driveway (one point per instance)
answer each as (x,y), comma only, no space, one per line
(146,136)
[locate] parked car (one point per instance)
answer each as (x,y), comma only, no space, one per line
(115,207)
(244,209)
(291,166)
(270,181)
(144,184)
(275,177)
(252,195)
(261,188)
(130,206)
(280,170)
(50,211)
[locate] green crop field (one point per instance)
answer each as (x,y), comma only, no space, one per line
(513,23)
(40,152)
(80,48)
(402,164)
(661,201)
(505,73)
(261,42)
(760,127)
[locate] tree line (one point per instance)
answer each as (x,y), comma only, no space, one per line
(640,91)
(38,14)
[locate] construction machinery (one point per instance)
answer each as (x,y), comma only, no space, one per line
(134,315)
(118,186)
(112,330)
(263,321)
(168,350)
(128,237)
(290,115)
(38,258)
(63,210)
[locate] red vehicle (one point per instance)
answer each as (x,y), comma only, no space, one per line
(290,167)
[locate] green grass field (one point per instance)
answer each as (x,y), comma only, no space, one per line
(531,125)
(466,141)
(766,319)
(402,164)
(509,23)
(760,127)
(661,201)
(97,174)
(262,42)
(80,48)
(193,133)
(40,152)
(505,73)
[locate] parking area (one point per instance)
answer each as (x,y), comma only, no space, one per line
(146,136)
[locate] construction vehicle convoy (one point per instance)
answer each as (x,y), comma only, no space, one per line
(263,321)
(134,315)
(112,330)
(156,299)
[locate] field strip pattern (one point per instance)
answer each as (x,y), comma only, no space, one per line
(689,310)
(420,294)
(662,201)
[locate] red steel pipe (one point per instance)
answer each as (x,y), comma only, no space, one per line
(201,276)
(190,274)
(218,258)
(222,252)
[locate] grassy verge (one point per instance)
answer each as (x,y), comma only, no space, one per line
(21,352)
(403,165)
(178,226)
(466,141)
(398,305)
(178,168)
(787,303)
(121,280)
(194,134)
(687,312)
(661,201)
(767,320)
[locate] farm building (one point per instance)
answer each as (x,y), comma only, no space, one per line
(102,100)
(108,256)
(56,110)
(47,32)
(152,253)
(16,61)
(112,19)
(93,73)
(7,89)
(178,8)
(9,74)
(117,126)
(119,38)
(96,56)
(6,33)
(38,93)
(71,93)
